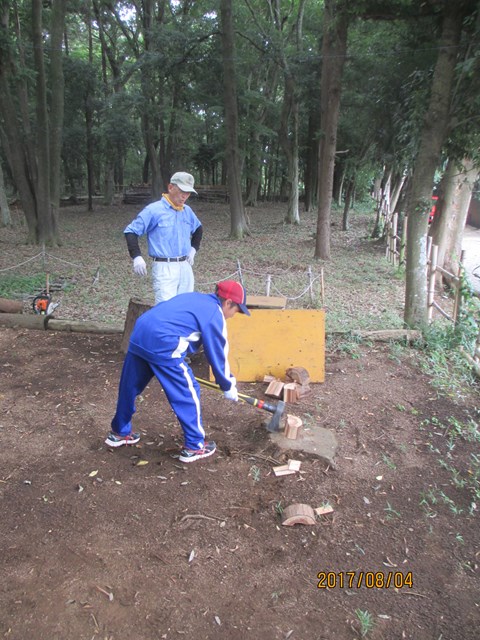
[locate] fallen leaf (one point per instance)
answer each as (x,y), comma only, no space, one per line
(192,555)
(142,463)
(92,474)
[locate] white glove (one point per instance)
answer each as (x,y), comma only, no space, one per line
(139,266)
(232,393)
(191,256)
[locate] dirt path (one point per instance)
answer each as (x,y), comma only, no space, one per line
(131,544)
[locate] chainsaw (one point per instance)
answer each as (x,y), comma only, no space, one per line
(42,304)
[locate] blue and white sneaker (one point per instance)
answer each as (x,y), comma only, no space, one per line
(190,455)
(115,440)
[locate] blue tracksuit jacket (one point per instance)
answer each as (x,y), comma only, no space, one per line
(161,338)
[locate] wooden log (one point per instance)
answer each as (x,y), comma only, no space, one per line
(10,306)
(79,326)
(298,374)
(23,321)
(136,307)
(41,322)
(293,426)
(386,335)
(298,514)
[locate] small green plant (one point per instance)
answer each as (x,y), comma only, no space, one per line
(366,621)
(459,538)
(400,407)
(255,473)
(389,462)
(391,513)
(279,508)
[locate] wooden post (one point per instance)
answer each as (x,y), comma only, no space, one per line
(322,287)
(269,281)
(431,280)
(135,309)
(403,242)
(310,283)
(458,289)
(394,238)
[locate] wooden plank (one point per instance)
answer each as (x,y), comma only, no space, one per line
(266,302)
(271,341)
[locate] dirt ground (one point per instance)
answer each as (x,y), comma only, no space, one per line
(131,544)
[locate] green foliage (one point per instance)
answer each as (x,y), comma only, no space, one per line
(18,285)
(464,476)
(367,623)
(443,342)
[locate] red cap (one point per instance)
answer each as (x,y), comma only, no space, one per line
(231,290)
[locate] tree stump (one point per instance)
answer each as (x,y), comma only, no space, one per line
(136,307)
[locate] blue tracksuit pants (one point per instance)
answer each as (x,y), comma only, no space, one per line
(180,386)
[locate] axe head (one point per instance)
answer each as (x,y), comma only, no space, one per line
(274,423)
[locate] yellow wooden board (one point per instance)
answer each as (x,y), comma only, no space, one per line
(272,340)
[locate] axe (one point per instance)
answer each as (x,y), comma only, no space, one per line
(276,409)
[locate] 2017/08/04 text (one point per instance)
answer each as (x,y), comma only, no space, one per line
(367,579)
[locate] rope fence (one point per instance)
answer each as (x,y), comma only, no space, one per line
(262,280)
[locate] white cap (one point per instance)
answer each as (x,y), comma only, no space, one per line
(184,181)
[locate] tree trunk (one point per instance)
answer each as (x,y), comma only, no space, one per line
(5,217)
(56,80)
(311,165)
(420,197)
(288,137)
(334,49)
(449,221)
(237,212)
(348,201)
(45,227)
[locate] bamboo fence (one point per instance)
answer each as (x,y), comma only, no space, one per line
(395,253)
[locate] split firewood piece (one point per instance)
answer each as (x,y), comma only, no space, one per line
(294,465)
(275,388)
(323,511)
(283,470)
(298,374)
(287,469)
(269,378)
(298,514)
(292,429)
(290,392)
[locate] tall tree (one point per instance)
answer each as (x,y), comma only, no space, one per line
(452,209)
(432,138)
(334,49)
(238,221)
(30,154)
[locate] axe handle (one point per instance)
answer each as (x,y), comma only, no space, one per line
(261,404)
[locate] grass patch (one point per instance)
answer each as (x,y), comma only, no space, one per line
(14,286)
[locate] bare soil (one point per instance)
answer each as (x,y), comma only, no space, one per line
(131,544)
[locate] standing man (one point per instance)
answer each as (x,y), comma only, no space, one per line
(173,233)
(160,340)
